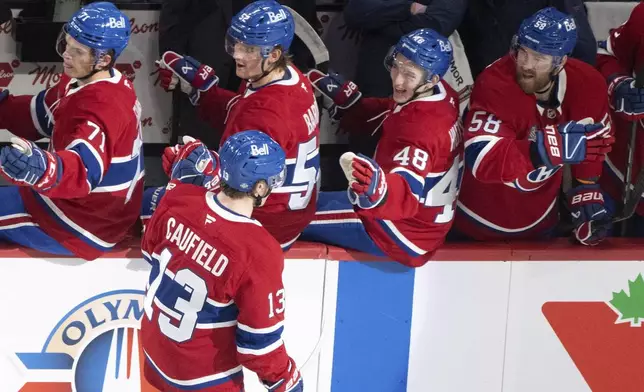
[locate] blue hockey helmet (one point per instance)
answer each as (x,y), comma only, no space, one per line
(100,26)
(265,24)
(425,48)
(550,32)
(250,156)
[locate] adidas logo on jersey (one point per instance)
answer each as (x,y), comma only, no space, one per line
(116,23)
(255,151)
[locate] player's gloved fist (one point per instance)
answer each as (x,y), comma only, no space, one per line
(24,163)
(195,164)
(569,143)
(193,76)
(590,218)
(625,98)
(343,93)
(367,181)
(293,384)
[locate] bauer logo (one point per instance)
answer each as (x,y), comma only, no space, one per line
(6,75)
(94,347)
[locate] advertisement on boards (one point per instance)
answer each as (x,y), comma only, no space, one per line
(73,326)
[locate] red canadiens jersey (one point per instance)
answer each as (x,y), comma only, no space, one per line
(420,149)
(503,194)
(215,298)
(95,130)
(286,110)
(623,55)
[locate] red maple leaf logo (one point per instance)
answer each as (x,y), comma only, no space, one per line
(607,349)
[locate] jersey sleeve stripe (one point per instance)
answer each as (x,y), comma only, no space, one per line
(416,183)
(40,114)
(266,330)
(91,160)
(120,175)
(476,149)
(260,351)
(258,343)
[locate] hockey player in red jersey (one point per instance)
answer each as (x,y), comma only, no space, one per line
(400,202)
(275,98)
(531,112)
(82,194)
(215,300)
(619,59)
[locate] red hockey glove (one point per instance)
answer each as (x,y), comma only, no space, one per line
(192,163)
(194,76)
(588,214)
(343,93)
(24,163)
(367,181)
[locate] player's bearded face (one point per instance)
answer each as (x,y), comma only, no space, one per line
(78,60)
(532,70)
(406,77)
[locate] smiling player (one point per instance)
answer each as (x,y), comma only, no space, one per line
(276,98)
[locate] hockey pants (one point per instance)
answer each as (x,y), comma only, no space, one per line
(336,223)
(17,226)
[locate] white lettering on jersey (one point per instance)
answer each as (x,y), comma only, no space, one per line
(187,240)
(255,151)
(456,134)
(312,117)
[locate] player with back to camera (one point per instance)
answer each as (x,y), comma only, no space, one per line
(532,112)
(401,202)
(82,194)
(215,300)
(275,98)
(619,59)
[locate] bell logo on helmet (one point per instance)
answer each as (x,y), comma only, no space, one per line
(570,25)
(255,151)
(445,46)
(277,17)
(115,23)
